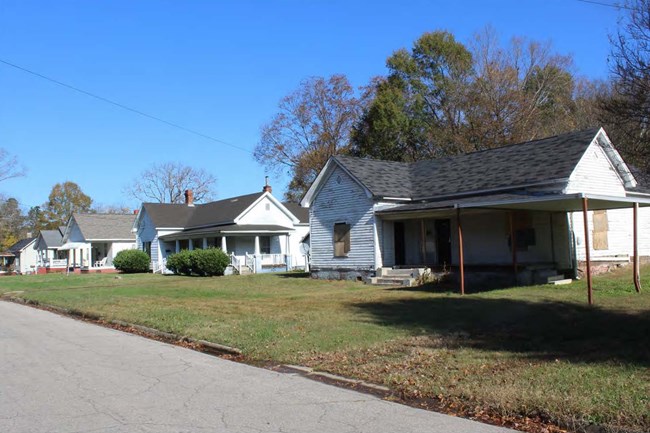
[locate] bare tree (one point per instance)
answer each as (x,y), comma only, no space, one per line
(9,167)
(626,113)
(167,182)
(313,123)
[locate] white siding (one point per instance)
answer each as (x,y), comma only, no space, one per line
(595,174)
(344,202)
(28,259)
(619,234)
(147,233)
(266,212)
(116,247)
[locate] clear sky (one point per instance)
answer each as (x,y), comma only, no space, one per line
(218,67)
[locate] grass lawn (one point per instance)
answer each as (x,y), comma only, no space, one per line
(529,351)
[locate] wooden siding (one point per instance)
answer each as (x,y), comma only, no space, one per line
(344,202)
(619,233)
(147,233)
(595,174)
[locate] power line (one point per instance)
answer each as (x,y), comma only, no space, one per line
(122,106)
(615,6)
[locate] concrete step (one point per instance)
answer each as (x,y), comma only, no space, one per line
(555,277)
(392,281)
(561,282)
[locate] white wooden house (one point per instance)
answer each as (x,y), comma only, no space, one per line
(22,257)
(258,231)
(48,244)
(93,240)
(465,213)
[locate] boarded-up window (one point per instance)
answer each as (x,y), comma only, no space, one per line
(600,230)
(523,231)
(341,239)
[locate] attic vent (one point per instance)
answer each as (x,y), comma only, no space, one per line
(234,200)
(268,206)
(338,179)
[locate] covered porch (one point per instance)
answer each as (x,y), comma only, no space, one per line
(252,248)
(89,256)
(525,236)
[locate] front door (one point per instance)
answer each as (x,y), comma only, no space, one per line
(400,256)
(443,241)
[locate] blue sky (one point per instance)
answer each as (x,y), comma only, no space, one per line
(218,67)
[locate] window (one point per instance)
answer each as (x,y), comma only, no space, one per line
(146,247)
(341,239)
(523,231)
(600,230)
(265,244)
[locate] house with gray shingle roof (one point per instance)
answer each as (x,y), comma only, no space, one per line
(517,209)
(258,231)
(92,240)
(21,257)
(47,246)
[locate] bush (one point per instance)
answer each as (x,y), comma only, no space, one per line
(212,261)
(131,261)
(180,263)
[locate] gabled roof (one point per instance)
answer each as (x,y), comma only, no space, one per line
(166,215)
(302,213)
(51,238)
(20,245)
(97,226)
(534,162)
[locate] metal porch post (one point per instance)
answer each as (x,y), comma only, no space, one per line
(635,237)
(513,244)
(461,261)
(585,209)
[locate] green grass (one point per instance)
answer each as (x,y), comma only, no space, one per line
(531,351)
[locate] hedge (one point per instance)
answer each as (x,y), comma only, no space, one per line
(204,263)
(131,261)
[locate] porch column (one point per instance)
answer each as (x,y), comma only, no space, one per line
(90,257)
(190,243)
(585,209)
(257,245)
(224,246)
(513,244)
(178,246)
(205,243)
(461,260)
(635,237)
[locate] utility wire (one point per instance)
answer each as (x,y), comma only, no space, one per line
(615,6)
(122,106)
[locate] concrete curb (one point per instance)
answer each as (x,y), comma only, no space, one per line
(328,377)
(203,345)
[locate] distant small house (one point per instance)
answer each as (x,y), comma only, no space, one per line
(518,210)
(93,240)
(48,244)
(21,257)
(258,231)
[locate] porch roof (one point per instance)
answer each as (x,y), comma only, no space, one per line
(548,203)
(73,246)
(249,229)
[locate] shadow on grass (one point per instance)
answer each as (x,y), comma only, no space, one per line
(540,330)
(294,274)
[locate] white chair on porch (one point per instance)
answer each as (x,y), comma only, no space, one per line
(101,263)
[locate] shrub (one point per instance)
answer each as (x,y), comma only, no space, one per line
(212,261)
(180,263)
(131,261)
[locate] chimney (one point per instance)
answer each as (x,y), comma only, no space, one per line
(135,211)
(267,187)
(189,197)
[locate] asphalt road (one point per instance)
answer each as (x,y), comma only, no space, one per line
(62,375)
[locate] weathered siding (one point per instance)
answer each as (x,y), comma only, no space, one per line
(595,174)
(342,200)
(619,234)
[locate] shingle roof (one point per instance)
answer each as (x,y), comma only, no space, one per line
(538,161)
(51,238)
(105,226)
(207,214)
(302,213)
(18,246)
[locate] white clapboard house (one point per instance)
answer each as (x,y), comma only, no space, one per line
(515,210)
(257,231)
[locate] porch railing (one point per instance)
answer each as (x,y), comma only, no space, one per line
(56,263)
(273,260)
(235,262)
